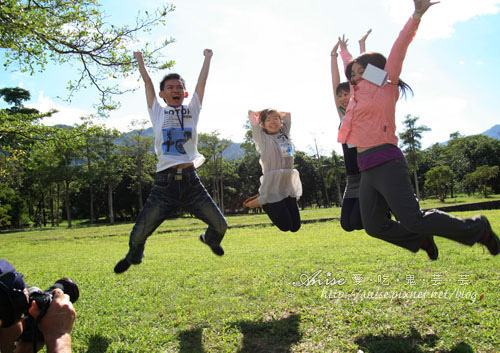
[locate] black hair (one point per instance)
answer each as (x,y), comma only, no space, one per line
(378,60)
(172,76)
(265,113)
(343,86)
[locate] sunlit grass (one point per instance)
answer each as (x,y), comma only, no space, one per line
(182,298)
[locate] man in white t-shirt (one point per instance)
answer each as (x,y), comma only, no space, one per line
(176,183)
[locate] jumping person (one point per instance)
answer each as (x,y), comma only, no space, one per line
(369,124)
(350,215)
(176,183)
(280,182)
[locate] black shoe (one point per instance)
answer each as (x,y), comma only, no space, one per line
(489,238)
(122,266)
(216,249)
(430,248)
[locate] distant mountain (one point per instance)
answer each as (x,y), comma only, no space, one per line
(234,151)
(494,132)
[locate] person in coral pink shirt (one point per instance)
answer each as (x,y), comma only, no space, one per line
(369,124)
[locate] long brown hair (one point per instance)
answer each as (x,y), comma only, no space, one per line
(378,60)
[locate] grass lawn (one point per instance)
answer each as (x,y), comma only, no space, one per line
(318,290)
(459,199)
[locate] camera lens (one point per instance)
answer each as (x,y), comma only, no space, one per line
(68,287)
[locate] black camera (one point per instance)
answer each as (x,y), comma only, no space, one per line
(43,299)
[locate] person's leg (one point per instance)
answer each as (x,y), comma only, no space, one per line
(374,208)
(350,215)
(161,203)
(198,201)
(393,182)
(293,210)
(279,214)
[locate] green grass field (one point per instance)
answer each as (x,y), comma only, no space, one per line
(318,290)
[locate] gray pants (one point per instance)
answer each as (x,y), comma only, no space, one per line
(388,186)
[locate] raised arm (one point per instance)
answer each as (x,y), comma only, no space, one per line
(285,116)
(286,119)
(398,52)
(202,79)
(150,90)
(254,118)
(335,74)
(362,42)
(344,53)
(257,132)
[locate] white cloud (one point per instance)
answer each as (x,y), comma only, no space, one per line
(65,115)
(440,19)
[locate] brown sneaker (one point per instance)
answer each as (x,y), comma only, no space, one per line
(489,238)
(430,248)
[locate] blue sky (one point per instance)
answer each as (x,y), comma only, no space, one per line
(275,53)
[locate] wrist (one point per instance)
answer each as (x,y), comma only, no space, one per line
(60,344)
(334,54)
(418,14)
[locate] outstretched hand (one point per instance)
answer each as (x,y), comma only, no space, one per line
(343,42)
(208,53)
(363,39)
(254,118)
(139,58)
(421,6)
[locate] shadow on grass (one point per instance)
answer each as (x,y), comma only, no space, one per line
(98,344)
(412,343)
(190,341)
(275,336)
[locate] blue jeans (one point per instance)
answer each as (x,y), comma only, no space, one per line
(167,196)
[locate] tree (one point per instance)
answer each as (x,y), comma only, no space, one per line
(335,175)
(211,146)
(481,178)
(20,131)
(139,161)
(108,167)
(439,179)
(410,141)
(60,31)
(68,145)
(306,165)
(320,165)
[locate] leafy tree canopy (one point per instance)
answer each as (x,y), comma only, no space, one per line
(36,32)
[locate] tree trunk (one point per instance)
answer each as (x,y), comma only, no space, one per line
(110,204)
(221,185)
(91,187)
(339,190)
(417,191)
(66,201)
(58,202)
(52,207)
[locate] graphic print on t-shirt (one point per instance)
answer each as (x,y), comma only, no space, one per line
(173,131)
(174,139)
